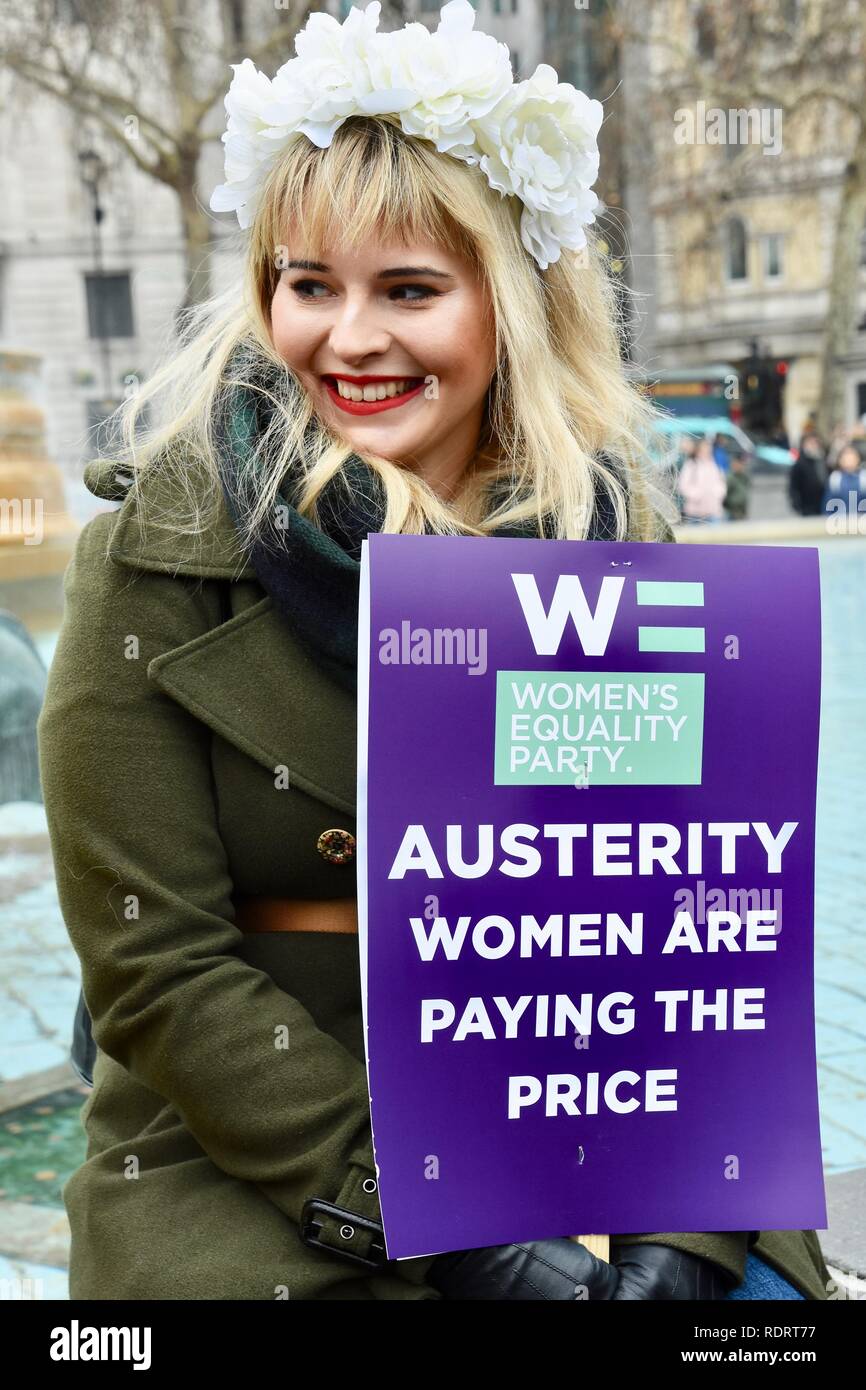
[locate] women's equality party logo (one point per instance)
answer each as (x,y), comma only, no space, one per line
(602,728)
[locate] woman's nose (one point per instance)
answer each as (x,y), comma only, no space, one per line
(355,333)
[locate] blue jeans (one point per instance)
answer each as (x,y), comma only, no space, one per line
(763,1282)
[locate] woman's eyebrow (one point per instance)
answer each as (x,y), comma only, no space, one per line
(392,274)
(414,270)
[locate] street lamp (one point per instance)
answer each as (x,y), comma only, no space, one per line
(93,169)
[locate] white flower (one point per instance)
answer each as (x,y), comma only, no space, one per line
(540,144)
(455,77)
(330,78)
(245,157)
(535,140)
(249,91)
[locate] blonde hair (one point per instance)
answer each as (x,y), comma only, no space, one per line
(560,408)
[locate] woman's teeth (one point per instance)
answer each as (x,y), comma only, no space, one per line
(374,392)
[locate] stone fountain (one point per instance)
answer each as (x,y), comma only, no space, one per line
(36,541)
(37,534)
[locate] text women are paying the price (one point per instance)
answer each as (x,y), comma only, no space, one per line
(614,848)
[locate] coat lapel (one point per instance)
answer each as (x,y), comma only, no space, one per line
(251,682)
(248,678)
(144,544)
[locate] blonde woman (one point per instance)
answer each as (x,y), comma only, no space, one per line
(410,350)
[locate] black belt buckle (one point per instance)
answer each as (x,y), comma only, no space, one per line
(311,1225)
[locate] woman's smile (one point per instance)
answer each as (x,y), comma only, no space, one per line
(369,395)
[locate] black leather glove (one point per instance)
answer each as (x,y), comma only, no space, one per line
(539,1269)
(660,1272)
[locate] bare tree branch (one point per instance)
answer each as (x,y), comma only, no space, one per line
(162,64)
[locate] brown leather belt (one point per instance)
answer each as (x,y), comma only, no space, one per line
(296,914)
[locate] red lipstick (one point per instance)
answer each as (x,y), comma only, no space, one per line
(369,407)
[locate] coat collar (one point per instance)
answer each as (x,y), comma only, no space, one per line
(214,555)
(249,679)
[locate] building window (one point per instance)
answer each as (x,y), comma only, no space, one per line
(109,305)
(515,59)
(705,33)
(236,20)
(736,259)
(68,12)
(773,263)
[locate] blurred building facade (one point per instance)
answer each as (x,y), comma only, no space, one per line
(91,269)
(740,241)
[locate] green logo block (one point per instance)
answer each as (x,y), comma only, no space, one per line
(599,728)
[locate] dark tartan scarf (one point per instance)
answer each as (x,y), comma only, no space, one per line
(312,572)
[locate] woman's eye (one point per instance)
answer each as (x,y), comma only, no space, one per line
(407,294)
(303,288)
(424,292)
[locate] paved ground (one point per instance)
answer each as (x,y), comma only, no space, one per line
(840,889)
(39,973)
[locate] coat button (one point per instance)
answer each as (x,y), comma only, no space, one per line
(337,846)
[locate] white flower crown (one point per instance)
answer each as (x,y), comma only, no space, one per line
(535,140)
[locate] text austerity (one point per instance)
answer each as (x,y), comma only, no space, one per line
(613,849)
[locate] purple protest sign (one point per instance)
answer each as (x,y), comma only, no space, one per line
(586,809)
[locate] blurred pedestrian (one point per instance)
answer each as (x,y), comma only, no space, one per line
(702,486)
(847,483)
(686,447)
(739,490)
(838,440)
(857,437)
(780,437)
(807,478)
(721,455)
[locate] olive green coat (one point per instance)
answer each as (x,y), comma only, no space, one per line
(186,757)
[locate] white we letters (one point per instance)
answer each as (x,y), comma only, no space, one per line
(569,601)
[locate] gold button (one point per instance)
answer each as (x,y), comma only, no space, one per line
(337,846)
